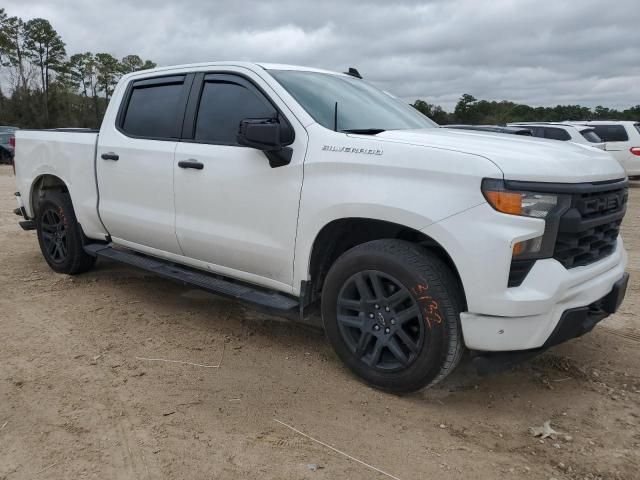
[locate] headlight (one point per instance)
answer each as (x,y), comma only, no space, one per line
(542,205)
(528,204)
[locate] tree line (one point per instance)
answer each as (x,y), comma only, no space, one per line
(42,87)
(470,110)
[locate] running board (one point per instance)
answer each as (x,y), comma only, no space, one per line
(274,302)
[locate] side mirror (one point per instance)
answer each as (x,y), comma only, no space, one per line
(260,133)
(268,135)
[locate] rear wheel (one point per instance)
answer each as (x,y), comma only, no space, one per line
(60,237)
(390,310)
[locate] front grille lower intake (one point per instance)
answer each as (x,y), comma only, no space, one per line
(589,230)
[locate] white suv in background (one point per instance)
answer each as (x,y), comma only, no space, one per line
(622,139)
(582,134)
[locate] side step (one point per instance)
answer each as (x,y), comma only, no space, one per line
(275,302)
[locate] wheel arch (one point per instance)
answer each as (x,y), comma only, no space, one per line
(340,235)
(42,184)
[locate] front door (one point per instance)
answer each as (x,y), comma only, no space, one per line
(233,210)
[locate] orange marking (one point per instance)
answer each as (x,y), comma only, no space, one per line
(420,288)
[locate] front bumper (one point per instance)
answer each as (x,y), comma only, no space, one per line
(557,290)
(573,323)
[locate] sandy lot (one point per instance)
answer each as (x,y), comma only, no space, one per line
(77,399)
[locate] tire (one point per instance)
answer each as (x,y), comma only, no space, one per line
(60,236)
(414,343)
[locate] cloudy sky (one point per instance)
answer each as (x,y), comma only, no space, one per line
(540,52)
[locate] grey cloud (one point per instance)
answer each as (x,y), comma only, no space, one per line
(537,52)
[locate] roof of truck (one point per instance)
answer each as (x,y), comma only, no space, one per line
(250,65)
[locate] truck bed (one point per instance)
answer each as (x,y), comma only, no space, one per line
(68,154)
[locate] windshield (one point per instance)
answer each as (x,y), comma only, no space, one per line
(361,107)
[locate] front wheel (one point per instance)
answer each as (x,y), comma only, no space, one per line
(391,312)
(60,237)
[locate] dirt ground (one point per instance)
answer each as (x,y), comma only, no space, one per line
(79,397)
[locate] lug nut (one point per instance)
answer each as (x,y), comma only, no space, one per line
(387,309)
(386,330)
(377,306)
(376,327)
(393,321)
(371,315)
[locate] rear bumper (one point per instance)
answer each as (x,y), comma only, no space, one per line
(27,223)
(573,323)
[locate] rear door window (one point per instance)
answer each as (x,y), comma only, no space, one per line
(556,134)
(591,136)
(611,133)
(155,109)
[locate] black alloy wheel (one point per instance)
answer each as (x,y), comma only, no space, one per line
(60,235)
(380,321)
(390,309)
(54,235)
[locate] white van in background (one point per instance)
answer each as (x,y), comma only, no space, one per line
(622,139)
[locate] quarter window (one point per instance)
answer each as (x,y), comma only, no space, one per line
(611,133)
(556,134)
(223,105)
(155,109)
(591,136)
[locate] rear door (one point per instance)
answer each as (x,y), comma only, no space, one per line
(135,163)
(234,211)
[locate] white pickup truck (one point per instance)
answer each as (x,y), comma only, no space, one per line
(292,187)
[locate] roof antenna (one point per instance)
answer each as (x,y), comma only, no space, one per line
(354,73)
(335,118)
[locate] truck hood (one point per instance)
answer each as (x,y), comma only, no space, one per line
(519,157)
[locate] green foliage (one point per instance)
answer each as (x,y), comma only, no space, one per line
(434,112)
(44,47)
(41,87)
(470,110)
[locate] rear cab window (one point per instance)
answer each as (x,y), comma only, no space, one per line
(611,133)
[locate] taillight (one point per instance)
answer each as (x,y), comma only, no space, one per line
(635,151)
(12,142)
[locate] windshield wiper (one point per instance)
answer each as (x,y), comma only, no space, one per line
(364,131)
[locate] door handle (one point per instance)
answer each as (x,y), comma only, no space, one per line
(110,156)
(191,164)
